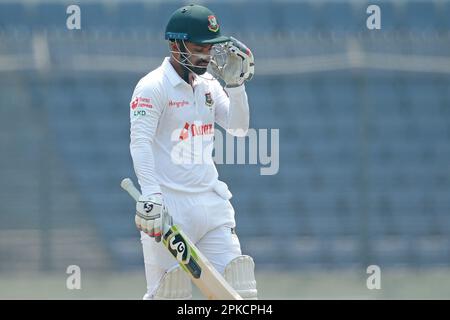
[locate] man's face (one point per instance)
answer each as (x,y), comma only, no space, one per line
(200,56)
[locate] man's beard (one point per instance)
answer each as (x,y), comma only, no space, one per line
(197,70)
(200,70)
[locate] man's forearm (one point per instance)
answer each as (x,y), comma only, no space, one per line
(238,114)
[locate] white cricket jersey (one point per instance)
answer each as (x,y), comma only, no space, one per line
(172,129)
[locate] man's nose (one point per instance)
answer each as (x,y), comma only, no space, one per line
(205,56)
(207,49)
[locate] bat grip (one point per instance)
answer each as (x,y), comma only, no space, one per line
(128,186)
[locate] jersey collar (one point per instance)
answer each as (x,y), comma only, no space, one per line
(170,72)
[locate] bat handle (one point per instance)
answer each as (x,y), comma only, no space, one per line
(128,186)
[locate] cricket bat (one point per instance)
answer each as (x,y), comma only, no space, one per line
(200,270)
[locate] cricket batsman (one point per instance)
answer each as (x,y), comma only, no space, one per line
(173,112)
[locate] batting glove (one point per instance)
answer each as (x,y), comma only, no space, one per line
(238,67)
(150,214)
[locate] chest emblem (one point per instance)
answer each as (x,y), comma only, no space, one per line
(208,100)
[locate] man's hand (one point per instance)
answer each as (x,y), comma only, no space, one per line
(150,215)
(238,67)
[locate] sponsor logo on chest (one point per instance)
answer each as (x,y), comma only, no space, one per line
(192,130)
(178,104)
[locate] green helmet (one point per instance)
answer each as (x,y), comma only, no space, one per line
(194,23)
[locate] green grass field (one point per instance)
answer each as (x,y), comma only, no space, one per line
(395,284)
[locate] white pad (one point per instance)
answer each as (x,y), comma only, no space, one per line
(240,274)
(175,285)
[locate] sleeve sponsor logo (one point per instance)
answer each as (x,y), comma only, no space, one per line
(140,102)
(139,112)
(134,103)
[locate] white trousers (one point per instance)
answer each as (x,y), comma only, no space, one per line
(207,219)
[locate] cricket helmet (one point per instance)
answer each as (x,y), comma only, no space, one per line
(194,23)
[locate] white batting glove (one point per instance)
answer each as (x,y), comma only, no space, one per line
(238,67)
(150,215)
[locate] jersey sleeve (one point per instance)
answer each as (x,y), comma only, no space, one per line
(146,107)
(232,110)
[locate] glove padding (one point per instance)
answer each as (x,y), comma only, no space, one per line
(238,67)
(151,215)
